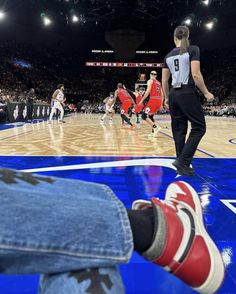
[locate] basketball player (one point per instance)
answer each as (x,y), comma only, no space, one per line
(138,108)
(154,103)
(109,108)
(57,99)
(183,64)
(126,102)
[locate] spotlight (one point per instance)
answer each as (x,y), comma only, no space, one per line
(209,25)
(206,2)
(187,21)
(75,18)
(2,15)
(47,21)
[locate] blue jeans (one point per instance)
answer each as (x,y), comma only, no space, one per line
(74,233)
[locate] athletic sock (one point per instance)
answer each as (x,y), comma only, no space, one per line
(142,226)
(125,118)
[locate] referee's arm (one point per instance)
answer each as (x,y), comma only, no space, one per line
(199,81)
(165,85)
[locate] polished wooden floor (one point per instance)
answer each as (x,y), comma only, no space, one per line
(83,135)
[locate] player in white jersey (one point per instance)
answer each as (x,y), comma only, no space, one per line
(109,108)
(58,98)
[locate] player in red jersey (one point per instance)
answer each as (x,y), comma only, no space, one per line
(126,102)
(138,108)
(154,103)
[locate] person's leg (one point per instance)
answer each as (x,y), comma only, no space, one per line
(180,242)
(70,225)
(151,116)
(104,116)
(94,281)
(29,109)
(111,116)
(61,109)
(150,120)
(50,225)
(179,123)
(53,110)
(191,107)
(124,112)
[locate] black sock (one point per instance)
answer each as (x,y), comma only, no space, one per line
(142,225)
(126,119)
(151,118)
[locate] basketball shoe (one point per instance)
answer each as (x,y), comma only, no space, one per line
(183,169)
(181,243)
(156,131)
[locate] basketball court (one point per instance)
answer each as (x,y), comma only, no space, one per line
(134,166)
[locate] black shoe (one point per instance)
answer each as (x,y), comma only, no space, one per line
(62,121)
(183,169)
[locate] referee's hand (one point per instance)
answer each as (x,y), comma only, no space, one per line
(209,97)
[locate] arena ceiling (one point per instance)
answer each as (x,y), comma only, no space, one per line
(113,14)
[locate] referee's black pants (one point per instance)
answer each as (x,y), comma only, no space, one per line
(185,106)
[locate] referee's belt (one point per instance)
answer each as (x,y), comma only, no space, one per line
(178,85)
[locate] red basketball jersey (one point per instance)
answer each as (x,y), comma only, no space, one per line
(138,99)
(156,89)
(123,95)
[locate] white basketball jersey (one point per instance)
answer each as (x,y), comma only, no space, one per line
(60,96)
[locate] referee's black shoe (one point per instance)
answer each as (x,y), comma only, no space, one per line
(183,169)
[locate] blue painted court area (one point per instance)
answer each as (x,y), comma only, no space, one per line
(7,126)
(132,178)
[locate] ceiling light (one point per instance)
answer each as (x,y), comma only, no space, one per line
(205,2)
(47,21)
(188,21)
(75,18)
(209,25)
(2,15)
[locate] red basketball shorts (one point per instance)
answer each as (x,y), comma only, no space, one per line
(125,106)
(153,105)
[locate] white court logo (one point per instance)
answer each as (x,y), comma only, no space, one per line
(16,112)
(25,112)
(38,111)
(228,203)
(164,162)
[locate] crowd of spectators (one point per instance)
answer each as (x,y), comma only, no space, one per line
(24,67)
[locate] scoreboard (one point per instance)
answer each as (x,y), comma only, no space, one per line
(123,64)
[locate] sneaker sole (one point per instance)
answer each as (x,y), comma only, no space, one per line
(217,271)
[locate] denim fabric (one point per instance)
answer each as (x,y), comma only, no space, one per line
(52,225)
(93,281)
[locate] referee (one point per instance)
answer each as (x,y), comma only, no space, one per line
(183,65)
